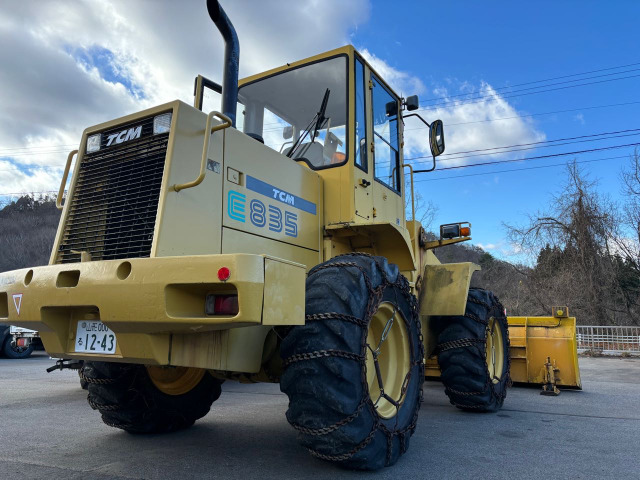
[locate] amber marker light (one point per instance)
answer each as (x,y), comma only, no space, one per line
(465,231)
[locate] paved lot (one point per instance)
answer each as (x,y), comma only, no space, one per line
(47,431)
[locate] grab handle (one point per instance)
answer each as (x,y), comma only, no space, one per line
(64,179)
(205,149)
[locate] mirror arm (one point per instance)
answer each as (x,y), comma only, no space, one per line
(416,115)
(433,167)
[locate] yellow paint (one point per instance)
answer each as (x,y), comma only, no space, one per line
(283,293)
(175,380)
(445,288)
(533,339)
(389,340)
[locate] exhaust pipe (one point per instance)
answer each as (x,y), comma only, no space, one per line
(231,59)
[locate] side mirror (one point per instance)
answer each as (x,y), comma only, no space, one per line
(436,137)
(392,109)
(287,132)
(412,103)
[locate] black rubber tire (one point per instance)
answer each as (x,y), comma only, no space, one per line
(464,370)
(329,402)
(127,399)
(10,352)
(84,385)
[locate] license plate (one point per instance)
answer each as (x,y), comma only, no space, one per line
(95,337)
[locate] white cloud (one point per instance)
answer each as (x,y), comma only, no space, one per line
(402,82)
(478,124)
(487,246)
(49,95)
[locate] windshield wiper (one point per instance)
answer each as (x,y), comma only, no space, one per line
(319,120)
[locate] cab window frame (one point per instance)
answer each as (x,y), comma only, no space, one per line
(365,86)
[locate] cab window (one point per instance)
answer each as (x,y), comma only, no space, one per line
(385,133)
(361,122)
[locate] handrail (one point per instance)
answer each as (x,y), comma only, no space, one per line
(413,203)
(205,149)
(64,179)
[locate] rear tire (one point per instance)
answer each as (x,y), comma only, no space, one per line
(330,375)
(473,354)
(16,352)
(127,398)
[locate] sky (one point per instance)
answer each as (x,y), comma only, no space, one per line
(499,74)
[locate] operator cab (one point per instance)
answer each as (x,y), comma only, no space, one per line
(330,111)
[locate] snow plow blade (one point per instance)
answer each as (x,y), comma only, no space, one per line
(540,347)
(534,340)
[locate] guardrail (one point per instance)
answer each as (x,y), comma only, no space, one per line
(608,340)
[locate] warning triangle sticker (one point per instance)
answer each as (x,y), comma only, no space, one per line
(17,301)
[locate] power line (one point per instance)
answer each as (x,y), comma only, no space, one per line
(531,115)
(517,169)
(480,99)
(534,145)
(551,79)
(551,155)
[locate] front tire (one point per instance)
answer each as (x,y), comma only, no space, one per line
(139,399)
(473,354)
(331,377)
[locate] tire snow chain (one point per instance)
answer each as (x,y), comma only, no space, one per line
(97,381)
(321,354)
(460,343)
(102,406)
(123,426)
(489,383)
(348,455)
(331,428)
(335,316)
(374,300)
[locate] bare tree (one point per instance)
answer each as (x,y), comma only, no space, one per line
(578,261)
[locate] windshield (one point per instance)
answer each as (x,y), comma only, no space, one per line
(281,107)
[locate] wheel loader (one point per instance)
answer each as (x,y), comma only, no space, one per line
(266,242)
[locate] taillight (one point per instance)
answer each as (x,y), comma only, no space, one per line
(221,305)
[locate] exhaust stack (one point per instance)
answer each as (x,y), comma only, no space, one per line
(231,58)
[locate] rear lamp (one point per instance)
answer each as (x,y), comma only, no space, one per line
(22,342)
(93,143)
(221,305)
(162,123)
(450,231)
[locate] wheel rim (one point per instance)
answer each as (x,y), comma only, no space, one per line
(175,380)
(388,346)
(495,350)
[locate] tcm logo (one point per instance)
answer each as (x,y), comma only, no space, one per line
(124,135)
(284,197)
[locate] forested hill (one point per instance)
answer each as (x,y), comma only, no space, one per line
(27,230)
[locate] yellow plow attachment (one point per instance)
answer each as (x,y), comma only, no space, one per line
(543,351)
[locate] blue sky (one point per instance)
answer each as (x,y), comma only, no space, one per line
(452,43)
(111,58)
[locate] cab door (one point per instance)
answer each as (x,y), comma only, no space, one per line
(363,172)
(387,185)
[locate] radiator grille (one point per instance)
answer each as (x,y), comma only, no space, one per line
(112,213)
